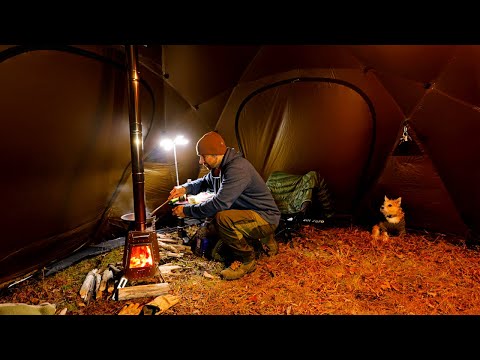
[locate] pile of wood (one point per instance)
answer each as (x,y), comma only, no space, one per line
(99,282)
(171,246)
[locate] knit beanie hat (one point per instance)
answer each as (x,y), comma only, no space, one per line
(211,144)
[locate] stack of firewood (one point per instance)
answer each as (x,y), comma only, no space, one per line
(170,246)
(94,285)
(101,281)
(98,281)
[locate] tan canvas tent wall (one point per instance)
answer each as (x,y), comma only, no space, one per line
(336,109)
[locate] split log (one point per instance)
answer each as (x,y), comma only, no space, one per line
(171,241)
(98,280)
(131,292)
(167,246)
(110,285)
(172,254)
(168,239)
(107,275)
(88,286)
(184,248)
(114,269)
(167,269)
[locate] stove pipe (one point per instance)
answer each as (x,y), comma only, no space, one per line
(136,138)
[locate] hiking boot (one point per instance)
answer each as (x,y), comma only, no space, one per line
(236,270)
(270,245)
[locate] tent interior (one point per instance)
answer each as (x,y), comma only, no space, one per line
(340,110)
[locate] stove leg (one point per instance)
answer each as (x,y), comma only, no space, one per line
(160,277)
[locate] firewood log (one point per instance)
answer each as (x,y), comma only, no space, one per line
(167,269)
(185,248)
(131,292)
(98,279)
(107,274)
(172,254)
(115,270)
(110,285)
(88,285)
(169,240)
(168,247)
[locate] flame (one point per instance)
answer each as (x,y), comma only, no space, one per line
(141,257)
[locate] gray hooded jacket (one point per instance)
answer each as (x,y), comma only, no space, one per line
(239,187)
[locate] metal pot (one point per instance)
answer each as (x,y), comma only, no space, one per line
(131,217)
(130,220)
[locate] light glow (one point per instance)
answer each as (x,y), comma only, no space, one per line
(168,144)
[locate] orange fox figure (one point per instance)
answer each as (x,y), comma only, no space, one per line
(394,220)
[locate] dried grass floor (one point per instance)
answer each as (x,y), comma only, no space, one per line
(336,271)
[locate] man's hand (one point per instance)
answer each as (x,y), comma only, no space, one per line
(177,192)
(178,211)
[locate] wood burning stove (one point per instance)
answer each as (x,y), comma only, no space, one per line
(141,256)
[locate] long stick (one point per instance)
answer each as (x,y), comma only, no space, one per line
(154,211)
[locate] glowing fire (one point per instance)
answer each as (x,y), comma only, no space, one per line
(141,257)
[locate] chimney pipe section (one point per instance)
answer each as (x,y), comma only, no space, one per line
(136,138)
